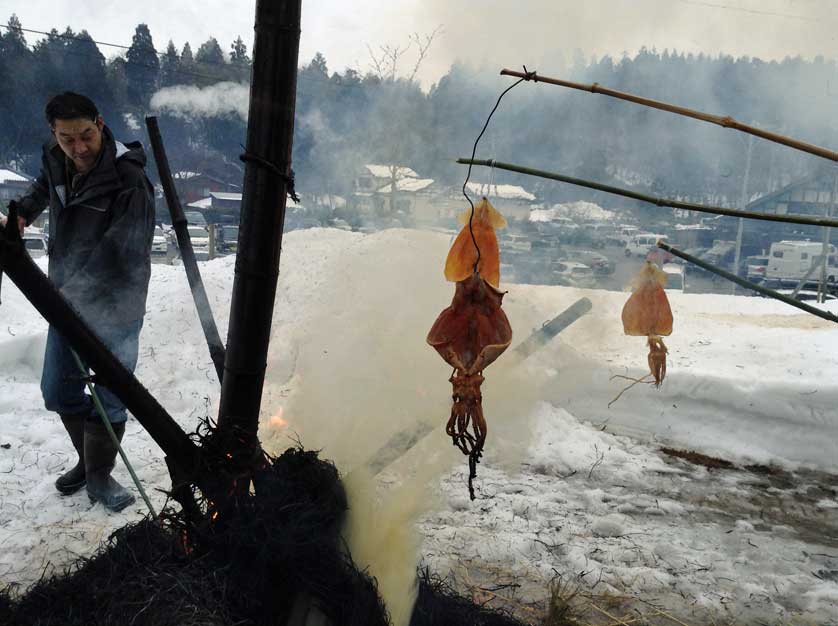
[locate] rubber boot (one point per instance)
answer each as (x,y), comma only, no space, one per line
(73,480)
(99,459)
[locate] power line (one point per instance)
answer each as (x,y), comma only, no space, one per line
(729,7)
(182,72)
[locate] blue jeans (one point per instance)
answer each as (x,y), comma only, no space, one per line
(61,382)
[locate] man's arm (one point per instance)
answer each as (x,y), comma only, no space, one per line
(32,203)
(118,257)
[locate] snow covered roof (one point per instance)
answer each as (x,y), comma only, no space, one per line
(185,175)
(507,192)
(383,171)
(409,184)
(225,195)
(692,227)
(206,203)
(8,176)
(203,203)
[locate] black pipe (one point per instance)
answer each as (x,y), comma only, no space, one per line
(267,157)
(193,275)
(48,301)
(749,285)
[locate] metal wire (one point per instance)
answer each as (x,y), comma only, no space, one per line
(474,151)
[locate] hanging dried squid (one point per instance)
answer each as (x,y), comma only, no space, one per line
(647,314)
(473,331)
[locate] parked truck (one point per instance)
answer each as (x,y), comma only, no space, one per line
(792,261)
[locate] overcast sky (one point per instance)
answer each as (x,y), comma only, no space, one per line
(489,33)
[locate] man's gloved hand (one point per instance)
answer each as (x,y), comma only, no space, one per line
(21,221)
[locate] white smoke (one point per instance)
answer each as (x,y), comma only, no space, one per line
(213,101)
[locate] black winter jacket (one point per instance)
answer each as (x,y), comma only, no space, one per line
(99,234)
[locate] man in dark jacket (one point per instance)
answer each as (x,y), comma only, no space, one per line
(101,210)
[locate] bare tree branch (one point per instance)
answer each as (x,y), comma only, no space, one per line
(423,46)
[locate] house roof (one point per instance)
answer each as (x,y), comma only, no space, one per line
(408,184)
(203,203)
(383,171)
(776,194)
(7,176)
(506,192)
(206,203)
(185,175)
(225,195)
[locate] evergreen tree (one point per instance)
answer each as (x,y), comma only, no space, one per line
(238,53)
(170,66)
(210,63)
(142,67)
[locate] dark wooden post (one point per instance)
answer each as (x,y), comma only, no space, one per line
(193,275)
(270,131)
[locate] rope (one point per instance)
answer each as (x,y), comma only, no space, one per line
(527,76)
(103,414)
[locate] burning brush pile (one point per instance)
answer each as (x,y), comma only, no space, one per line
(270,555)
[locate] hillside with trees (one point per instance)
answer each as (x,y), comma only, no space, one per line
(346,118)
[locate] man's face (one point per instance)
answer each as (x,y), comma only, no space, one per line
(81,140)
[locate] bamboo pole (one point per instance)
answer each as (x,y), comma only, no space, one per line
(267,177)
(193,274)
(809,220)
(826,315)
(725,121)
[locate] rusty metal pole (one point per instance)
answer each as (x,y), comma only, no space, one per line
(270,131)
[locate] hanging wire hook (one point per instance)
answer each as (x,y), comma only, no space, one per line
(529,76)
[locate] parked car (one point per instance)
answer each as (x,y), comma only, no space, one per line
(160,241)
(674,277)
(755,268)
(641,244)
(199,237)
(573,274)
(227,238)
(36,243)
(599,263)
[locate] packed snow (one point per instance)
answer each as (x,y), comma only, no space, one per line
(568,487)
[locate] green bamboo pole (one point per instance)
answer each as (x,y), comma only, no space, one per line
(103,414)
(720,120)
(749,285)
(810,220)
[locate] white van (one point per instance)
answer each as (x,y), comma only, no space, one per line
(641,244)
(674,277)
(789,261)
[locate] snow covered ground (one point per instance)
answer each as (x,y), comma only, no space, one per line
(568,486)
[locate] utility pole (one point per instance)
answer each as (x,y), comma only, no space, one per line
(825,249)
(742,203)
(267,178)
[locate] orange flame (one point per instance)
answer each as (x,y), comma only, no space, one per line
(278,421)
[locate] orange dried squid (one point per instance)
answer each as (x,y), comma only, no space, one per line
(473,331)
(647,314)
